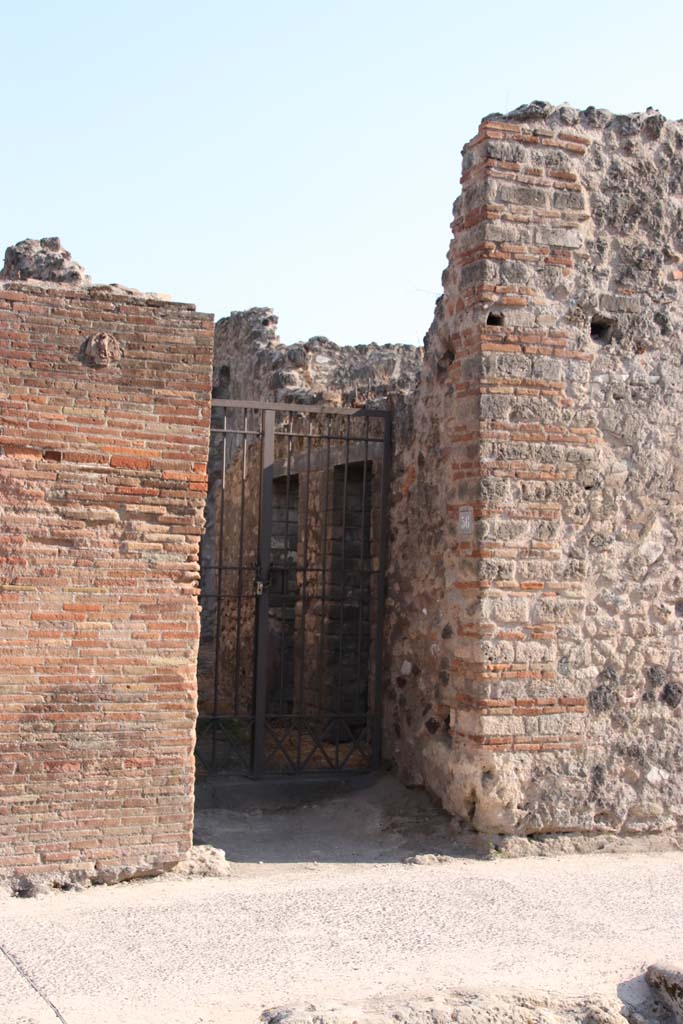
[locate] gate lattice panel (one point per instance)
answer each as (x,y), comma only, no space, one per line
(293,589)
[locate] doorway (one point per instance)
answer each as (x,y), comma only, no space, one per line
(293,580)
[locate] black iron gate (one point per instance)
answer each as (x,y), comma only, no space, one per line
(293,566)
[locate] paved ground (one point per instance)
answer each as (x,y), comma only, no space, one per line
(334,914)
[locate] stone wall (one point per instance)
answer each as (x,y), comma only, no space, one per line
(536,606)
(251,362)
(104,428)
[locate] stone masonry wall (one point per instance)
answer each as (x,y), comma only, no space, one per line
(251,362)
(104,428)
(537,631)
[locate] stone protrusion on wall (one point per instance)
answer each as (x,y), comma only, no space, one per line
(104,429)
(528,689)
(42,259)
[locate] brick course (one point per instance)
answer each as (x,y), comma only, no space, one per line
(102,486)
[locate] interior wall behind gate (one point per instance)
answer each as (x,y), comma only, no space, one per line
(104,429)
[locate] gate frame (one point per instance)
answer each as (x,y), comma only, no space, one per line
(267,433)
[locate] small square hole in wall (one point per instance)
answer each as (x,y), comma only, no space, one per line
(601,330)
(495,319)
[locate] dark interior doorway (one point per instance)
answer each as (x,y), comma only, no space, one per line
(293,573)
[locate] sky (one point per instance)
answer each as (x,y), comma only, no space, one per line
(298,154)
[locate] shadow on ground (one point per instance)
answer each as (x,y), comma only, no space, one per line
(364,819)
(641,1003)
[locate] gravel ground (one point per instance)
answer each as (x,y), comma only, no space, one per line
(352,929)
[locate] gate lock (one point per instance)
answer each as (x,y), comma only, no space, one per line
(262,584)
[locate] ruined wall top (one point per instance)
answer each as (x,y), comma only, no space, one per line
(252,362)
(590,118)
(605,186)
(43,259)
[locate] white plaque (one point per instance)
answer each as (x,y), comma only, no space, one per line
(465,521)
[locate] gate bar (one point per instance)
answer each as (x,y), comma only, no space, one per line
(334,410)
(262,597)
(376,742)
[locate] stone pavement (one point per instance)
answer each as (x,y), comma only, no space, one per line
(361,929)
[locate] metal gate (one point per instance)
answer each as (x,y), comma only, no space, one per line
(293,569)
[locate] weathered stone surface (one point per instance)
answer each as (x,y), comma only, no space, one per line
(102,349)
(251,362)
(203,861)
(547,641)
(42,260)
(464,1008)
(667,982)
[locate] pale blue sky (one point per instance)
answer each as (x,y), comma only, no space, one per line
(301,154)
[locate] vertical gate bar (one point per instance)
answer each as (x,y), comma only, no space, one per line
(361,574)
(285,574)
(217,641)
(240,569)
(262,600)
(340,677)
(298,704)
(381,595)
(323,574)
(259,424)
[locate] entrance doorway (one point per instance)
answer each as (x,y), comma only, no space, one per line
(293,574)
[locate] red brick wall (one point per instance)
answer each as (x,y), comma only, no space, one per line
(102,486)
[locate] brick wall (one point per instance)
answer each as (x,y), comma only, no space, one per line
(537,653)
(102,483)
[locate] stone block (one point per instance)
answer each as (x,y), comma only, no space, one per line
(667,982)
